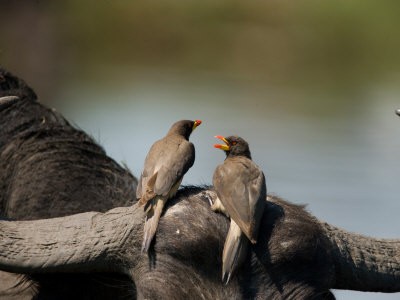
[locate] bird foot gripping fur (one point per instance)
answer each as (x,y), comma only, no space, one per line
(219,207)
(211,196)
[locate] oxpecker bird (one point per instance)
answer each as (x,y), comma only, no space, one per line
(241,190)
(166,163)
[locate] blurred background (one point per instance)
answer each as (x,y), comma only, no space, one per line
(311,85)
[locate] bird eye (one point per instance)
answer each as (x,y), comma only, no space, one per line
(234,143)
(190,125)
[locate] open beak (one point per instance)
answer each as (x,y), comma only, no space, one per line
(222,147)
(196,123)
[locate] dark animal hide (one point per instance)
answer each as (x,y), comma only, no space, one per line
(46,168)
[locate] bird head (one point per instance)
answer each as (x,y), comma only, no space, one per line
(184,127)
(234,146)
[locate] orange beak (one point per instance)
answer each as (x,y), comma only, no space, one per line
(196,123)
(222,147)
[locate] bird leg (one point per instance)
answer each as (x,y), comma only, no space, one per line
(219,207)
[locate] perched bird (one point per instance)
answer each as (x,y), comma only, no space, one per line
(166,163)
(241,190)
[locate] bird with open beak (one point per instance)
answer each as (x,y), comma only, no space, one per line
(166,163)
(241,190)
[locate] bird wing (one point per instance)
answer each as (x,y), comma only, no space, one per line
(240,185)
(150,164)
(164,166)
(173,168)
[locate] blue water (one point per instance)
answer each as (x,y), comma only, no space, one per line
(339,156)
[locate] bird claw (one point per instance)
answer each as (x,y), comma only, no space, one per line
(211,196)
(208,197)
(209,200)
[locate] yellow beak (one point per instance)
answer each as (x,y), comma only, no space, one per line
(196,123)
(222,147)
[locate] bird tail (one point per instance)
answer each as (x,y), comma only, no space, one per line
(151,222)
(235,250)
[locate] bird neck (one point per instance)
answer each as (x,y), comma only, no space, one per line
(178,134)
(233,154)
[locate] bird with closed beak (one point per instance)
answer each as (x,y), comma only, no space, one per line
(166,163)
(241,190)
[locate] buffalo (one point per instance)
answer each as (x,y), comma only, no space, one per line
(74,231)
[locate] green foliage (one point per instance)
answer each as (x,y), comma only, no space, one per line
(279,42)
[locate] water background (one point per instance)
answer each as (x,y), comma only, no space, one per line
(311,85)
(343,161)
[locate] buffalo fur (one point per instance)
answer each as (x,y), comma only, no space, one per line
(48,169)
(297,265)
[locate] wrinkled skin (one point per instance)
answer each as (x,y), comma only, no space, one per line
(296,256)
(38,180)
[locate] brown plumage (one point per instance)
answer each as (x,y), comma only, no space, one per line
(241,189)
(166,163)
